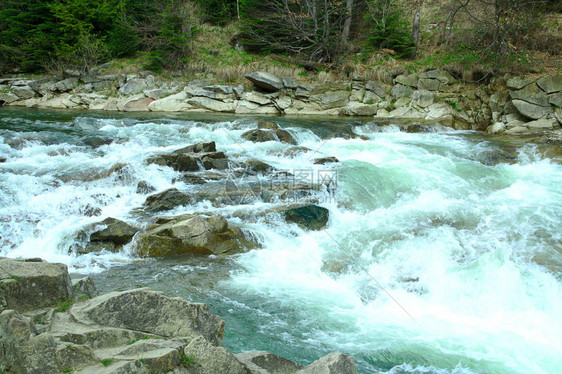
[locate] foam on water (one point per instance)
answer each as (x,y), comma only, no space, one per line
(439,256)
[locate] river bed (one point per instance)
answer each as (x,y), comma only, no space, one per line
(442,253)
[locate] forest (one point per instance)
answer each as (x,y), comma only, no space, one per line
(50,35)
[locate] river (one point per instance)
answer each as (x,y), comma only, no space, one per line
(442,254)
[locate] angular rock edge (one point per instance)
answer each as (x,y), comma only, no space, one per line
(134,331)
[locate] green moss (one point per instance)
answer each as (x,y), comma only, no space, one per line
(107,362)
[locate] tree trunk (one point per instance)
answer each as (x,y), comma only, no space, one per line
(347,22)
(416,31)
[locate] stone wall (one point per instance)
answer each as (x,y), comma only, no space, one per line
(515,105)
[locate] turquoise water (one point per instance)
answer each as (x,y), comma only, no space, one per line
(442,254)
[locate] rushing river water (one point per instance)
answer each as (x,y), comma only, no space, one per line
(442,253)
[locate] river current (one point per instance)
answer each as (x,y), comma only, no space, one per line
(442,253)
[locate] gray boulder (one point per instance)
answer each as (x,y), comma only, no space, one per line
(191,233)
(32,284)
(311,217)
(265,81)
(334,363)
(151,312)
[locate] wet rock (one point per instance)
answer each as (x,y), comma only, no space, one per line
(192,157)
(265,81)
(115,231)
(166,200)
(334,363)
(269,131)
(258,167)
(191,234)
(144,188)
(209,359)
(263,361)
(2,160)
(311,217)
(325,160)
(96,141)
(27,285)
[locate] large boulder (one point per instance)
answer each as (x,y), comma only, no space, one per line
(31,284)
(334,363)
(268,131)
(311,217)
(191,233)
(265,81)
(151,312)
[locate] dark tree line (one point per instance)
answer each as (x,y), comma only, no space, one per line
(82,33)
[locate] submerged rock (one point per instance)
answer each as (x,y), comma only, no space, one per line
(311,217)
(191,233)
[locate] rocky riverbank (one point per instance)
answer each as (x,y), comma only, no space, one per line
(511,105)
(52,324)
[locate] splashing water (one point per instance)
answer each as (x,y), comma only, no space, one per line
(442,253)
